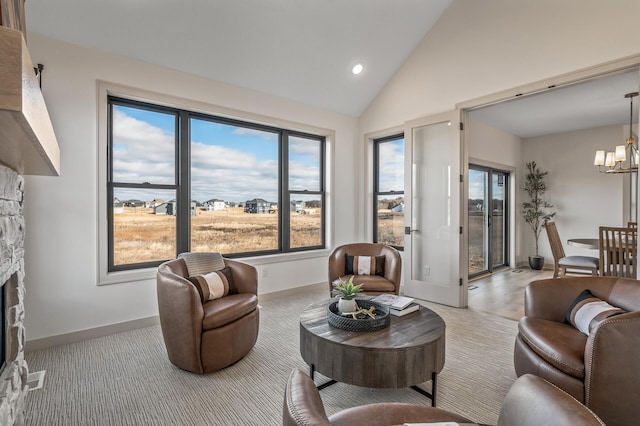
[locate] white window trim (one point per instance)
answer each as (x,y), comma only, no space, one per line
(105,89)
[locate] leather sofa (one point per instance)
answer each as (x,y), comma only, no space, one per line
(602,369)
(389,282)
(531,401)
(203,337)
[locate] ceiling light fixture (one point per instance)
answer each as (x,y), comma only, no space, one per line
(357,69)
(615,161)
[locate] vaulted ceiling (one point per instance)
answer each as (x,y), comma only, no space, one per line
(304,50)
(301,50)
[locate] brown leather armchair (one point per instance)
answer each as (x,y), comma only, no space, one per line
(601,369)
(373,284)
(531,401)
(205,337)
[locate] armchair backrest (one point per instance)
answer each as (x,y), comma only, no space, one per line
(302,402)
(532,401)
(392,261)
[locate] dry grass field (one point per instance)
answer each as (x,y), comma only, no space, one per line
(391,227)
(141,236)
(476,236)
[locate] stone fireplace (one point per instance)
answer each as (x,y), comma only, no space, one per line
(13,377)
(28,146)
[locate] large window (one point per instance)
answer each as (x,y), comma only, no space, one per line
(182,181)
(388,182)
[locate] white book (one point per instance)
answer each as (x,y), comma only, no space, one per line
(393,301)
(401,312)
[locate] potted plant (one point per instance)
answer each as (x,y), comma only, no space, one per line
(347,291)
(535,211)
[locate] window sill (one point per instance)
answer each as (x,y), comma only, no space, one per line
(121,277)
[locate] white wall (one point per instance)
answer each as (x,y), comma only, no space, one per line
(483,47)
(61,212)
(491,147)
(478,48)
(583,199)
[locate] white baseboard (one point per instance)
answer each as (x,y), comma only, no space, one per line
(90,333)
(106,330)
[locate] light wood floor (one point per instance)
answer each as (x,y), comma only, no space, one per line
(502,293)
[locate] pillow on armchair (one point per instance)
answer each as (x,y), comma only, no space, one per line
(364,265)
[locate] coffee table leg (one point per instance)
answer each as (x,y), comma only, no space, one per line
(312,370)
(432,395)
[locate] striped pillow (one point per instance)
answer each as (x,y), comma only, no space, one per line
(213,285)
(587,311)
(364,265)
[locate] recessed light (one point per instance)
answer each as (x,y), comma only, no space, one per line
(357,69)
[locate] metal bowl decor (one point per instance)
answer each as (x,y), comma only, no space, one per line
(370,316)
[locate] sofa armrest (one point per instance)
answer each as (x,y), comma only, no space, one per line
(612,376)
(245,276)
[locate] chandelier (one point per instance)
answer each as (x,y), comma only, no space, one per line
(625,158)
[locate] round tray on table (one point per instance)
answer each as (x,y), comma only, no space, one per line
(364,322)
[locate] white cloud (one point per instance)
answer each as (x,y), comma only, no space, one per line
(145,153)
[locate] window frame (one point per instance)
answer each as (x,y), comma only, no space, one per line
(376,181)
(182,181)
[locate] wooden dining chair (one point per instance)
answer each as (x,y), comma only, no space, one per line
(562,262)
(618,251)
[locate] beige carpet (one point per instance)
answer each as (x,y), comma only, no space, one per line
(126,379)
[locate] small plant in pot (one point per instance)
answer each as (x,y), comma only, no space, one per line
(347,291)
(535,211)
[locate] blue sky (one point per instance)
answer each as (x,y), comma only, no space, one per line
(228,162)
(391,163)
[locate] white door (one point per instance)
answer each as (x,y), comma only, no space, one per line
(433,263)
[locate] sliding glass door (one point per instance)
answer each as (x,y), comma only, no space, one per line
(488,219)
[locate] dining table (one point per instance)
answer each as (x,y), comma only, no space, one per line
(586,243)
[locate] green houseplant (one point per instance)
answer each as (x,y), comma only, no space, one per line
(535,211)
(347,291)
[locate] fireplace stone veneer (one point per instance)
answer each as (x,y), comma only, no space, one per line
(13,378)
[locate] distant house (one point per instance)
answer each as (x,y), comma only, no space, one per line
(399,208)
(297,206)
(134,203)
(170,208)
(214,205)
(118,206)
(257,205)
(164,208)
(154,203)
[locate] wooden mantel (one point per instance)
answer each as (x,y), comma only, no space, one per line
(27,141)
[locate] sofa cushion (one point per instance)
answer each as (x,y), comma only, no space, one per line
(560,345)
(364,265)
(213,285)
(587,311)
(220,312)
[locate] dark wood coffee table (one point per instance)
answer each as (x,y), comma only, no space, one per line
(409,352)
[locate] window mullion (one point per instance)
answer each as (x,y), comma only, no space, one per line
(183,176)
(284,198)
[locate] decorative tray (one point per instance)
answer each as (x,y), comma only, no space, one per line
(362,322)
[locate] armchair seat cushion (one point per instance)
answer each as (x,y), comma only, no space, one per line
(559,344)
(372,283)
(220,312)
